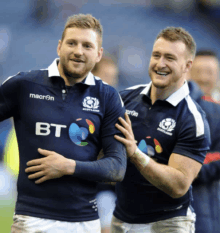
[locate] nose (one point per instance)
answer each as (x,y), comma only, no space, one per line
(78,50)
(161,62)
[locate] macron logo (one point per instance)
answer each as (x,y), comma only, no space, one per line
(132,113)
(41,97)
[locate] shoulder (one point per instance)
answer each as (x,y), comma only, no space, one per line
(133,91)
(192,105)
(192,116)
(107,93)
(104,87)
(209,110)
(26,76)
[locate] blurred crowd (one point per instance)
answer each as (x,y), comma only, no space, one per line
(29,34)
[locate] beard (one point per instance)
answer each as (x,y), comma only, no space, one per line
(71,74)
(159,86)
(72,71)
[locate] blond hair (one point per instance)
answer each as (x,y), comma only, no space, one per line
(84,22)
(179,34)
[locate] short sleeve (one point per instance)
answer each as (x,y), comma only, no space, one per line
(189,143)
(9,95)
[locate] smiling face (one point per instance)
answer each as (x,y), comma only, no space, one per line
(169,61)
(79,51)
(205,72)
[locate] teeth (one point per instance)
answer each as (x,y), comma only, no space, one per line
(161,73)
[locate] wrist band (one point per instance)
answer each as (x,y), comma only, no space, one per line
(142,158)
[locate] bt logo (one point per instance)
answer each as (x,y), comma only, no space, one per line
(43,129)
(78,132)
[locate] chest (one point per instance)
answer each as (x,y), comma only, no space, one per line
(155,129)
(47,111)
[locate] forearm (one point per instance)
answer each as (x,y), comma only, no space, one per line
(164,177)
(110,168)
(104,170)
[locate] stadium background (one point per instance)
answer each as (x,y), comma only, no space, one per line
(30,30)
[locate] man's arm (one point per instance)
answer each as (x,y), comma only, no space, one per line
(52,166)
(174,179)
(110,168)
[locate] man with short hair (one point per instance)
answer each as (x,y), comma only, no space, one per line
(206,199)
(205,72)
(107,70)
(63,117)
(172,137)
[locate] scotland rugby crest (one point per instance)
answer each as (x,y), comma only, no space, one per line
(167,126)
(91,104)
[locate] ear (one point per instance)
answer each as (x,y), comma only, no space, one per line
(59,47)
(100,53)
(188,66)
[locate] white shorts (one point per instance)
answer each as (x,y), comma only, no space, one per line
(181,224)
(28,224)
(106,205)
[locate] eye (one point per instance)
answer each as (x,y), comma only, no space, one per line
(88,46)
(70,43)
(155,55)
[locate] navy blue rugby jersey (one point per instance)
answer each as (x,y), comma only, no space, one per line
(175,125)
(73,122)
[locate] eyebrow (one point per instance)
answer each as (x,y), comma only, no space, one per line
(166,54)
(170,55)
(83,42)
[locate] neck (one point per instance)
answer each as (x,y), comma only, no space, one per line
(157,94)
(69,80)
(162,93)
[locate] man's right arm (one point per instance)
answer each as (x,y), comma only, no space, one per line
(175,178)
(9,94)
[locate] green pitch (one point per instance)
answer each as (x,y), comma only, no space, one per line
(6,215)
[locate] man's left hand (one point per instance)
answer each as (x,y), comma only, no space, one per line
(52,166)
(129,140)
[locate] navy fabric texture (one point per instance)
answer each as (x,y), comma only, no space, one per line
(167,127)
(206,187)
(76,125)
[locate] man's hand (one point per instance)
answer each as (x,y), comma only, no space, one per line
(52,166)
(129,140)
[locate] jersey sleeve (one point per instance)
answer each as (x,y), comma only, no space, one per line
(114,108)
(9,96)
(190,143)
(110,168)
(113,165)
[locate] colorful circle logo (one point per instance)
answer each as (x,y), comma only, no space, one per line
(80,130)
(158,147)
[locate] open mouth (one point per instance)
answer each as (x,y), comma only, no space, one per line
(162,73)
